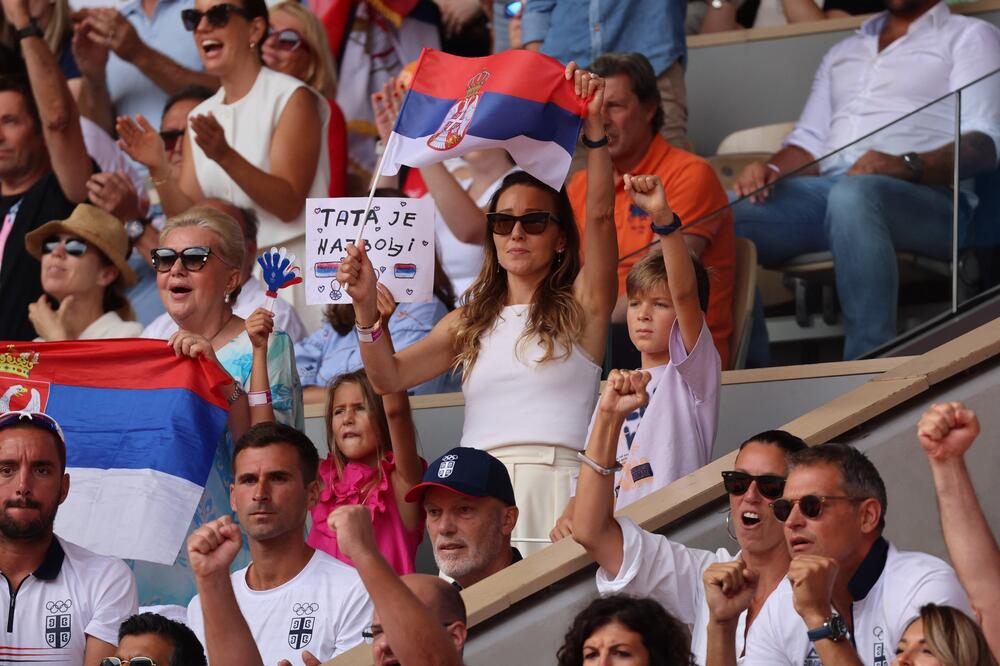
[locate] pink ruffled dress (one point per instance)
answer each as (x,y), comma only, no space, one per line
(397,544)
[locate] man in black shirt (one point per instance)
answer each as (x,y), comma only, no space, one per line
(43,165)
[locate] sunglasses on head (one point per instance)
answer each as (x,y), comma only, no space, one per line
(192,258)
(218,16)
(38,418)
(74,247)
(170,138)
(769,485)
(134,661)
(285,40)
(810,505)
(532,223)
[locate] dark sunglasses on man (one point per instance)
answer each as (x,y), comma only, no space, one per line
(769,485)
(218,16)
(811,506)
(534,223)
(170,139)
(74,247)
(285,40)
(134,661)
(192,258)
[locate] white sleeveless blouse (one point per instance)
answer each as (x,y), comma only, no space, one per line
(510,398)
(249,125)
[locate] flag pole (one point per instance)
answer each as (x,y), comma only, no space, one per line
(371,192)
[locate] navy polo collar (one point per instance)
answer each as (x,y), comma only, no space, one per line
(871,569)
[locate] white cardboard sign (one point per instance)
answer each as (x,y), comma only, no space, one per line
(399,238)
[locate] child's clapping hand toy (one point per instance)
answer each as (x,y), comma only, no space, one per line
(278,272)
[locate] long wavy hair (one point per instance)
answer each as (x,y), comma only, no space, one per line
(555,316)
(666,639)
(954,638)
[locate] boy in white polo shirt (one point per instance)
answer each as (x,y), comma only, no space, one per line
(849,594)
(293,597)
(64,603)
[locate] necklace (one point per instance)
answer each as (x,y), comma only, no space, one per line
(221,328)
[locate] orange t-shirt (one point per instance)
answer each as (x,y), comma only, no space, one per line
(693,190)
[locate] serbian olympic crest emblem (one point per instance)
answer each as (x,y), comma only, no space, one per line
(459,117)
(447,466)
(58,625)
(301,630)
(18,393)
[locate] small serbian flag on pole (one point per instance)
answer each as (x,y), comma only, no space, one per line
(141,426)
(516,100)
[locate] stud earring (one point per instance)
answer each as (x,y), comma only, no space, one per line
(225,299)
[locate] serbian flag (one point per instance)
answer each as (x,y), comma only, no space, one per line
(516,100)
(141,429)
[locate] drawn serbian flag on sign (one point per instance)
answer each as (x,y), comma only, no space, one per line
(516,100)
(141,429)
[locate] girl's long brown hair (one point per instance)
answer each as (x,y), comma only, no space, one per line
(554,316)
(376,416)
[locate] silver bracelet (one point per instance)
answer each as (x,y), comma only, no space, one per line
(597,467)
(237,392)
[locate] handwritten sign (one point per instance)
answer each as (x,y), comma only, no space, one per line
(399,239)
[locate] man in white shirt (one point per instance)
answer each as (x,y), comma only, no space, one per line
(849,594)
(293,597)
(634,561)
(888,192)
(64,603)
(252,292)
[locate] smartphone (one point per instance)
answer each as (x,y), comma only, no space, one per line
(513,9)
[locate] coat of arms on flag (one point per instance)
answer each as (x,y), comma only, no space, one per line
(17,392)
(456,123)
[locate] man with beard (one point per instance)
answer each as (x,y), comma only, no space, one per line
(292,596)
(64,603)
(471,514)
(889,192)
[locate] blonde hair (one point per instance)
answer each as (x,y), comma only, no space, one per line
(650,273)
(954,638)
(57,32)
(323,73)
(376,416)
(555,316)
(231,249)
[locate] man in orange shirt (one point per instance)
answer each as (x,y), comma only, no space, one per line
(632,118)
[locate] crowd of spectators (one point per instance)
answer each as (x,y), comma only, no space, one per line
(148,152)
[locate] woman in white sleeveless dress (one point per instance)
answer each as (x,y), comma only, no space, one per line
(531,334)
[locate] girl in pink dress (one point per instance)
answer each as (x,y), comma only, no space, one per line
(373,461)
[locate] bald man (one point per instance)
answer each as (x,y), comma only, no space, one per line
(421,617)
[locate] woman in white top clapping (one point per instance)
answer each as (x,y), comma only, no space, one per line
(530,335)
(258,142)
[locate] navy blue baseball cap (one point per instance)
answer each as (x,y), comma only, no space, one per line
(468,472)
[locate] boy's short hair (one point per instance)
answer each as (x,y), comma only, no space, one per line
(650,272)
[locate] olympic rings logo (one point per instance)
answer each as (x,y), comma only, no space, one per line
(305,609)
(59,606)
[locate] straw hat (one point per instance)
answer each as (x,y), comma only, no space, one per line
(98,228)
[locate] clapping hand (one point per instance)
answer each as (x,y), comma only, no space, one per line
(140,140)
(210,137)
(386,105)
(113,192)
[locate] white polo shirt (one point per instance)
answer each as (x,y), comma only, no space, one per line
(888,590)
(654,566)
(73,594)
(323,609)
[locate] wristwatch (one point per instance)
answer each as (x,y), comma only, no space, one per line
(916,164)
(135,228)
(833,628)
(30,30)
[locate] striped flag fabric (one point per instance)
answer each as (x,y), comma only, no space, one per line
(516,100)
(141,429)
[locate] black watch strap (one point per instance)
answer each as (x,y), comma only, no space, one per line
(603,141)
(666,229)
(30,30)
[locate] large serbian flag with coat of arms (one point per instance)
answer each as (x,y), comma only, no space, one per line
(141,428)
(516,100)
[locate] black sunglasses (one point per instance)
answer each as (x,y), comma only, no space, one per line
(810,505)
(134,661)
(769,485)
(371,633)
(218,16)
(192,258)
(74,247)
(532,223)
(170,138)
